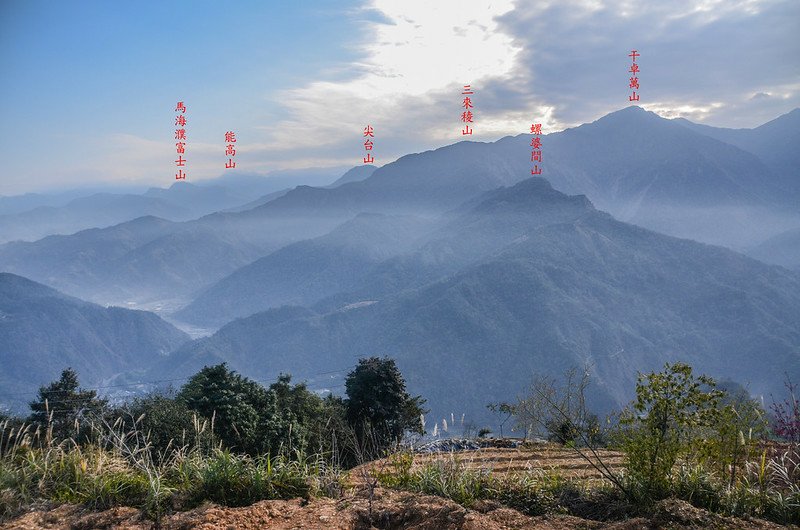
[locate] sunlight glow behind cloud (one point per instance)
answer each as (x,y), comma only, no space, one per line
(426,49)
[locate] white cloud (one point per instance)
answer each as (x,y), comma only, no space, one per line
(550,61)
(409,81)
(679,109)
(701,59)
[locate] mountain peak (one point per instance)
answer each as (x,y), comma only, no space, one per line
(183,185)
(790,120)
(531,192)
(632,114)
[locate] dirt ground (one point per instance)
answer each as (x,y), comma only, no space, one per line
(390,510)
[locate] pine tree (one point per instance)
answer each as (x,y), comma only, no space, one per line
(63,406)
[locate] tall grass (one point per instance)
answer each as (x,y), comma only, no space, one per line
(122,468)
(532,493)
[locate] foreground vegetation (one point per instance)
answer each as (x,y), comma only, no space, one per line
(764,493)
(226,439)
(221,438)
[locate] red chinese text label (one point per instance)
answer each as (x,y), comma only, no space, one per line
(466,114)
(369,132)
(230,149)
(634,78)
(536,148)
(180,139)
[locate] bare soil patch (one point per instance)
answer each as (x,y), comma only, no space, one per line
(390,510)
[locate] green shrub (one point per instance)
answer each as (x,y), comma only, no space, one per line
(663,424)
(164,420)
(698,486)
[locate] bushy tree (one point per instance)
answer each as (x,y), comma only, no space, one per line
(378,406)
(507,410)
(298,419)
(671,410)
(233,403)
(284,418)
(62,407)
(164,420)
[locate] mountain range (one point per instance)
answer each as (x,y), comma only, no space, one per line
(662,175)
(152,259)
(33,216)
(472,273)
(644,169)
(717,183)
(305,272)
(470,315)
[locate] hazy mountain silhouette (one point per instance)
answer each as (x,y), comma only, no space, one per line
(30,217)
(568,285)
(189,256)
(663,175)
(783,249)
(775,143)
(641,168)
(43,331)
(98,210)
(87,258)
(639,165)
(307,271)
(13,204)
(132,262)
(355,174)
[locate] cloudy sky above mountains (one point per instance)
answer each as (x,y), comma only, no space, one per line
(90,87)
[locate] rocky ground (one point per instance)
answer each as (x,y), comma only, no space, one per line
(388,510)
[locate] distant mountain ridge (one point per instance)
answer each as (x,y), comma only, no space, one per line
(138,264)
(659,174)
(354,174)
(73,211)
(783,249)
(643,158)
(712,190)
(305,272)
(775,143)
(43,331)
(98,210)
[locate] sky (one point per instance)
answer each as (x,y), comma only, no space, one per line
(89,87)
